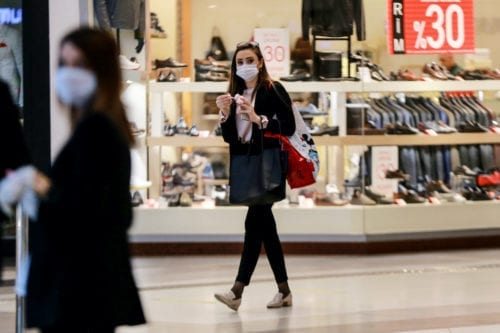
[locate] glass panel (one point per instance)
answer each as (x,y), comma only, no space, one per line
(11,62)
(11,65)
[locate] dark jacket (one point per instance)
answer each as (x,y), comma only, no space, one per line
(276,105)
(13,151)
(333,18)
(80,268)
(121,14)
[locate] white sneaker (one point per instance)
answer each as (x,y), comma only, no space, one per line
(229,299)
(278,301)
(126,63)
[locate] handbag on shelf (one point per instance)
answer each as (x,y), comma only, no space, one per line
(217,50)
(303,158)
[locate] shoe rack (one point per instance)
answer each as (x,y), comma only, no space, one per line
(347,223)
(338,91)
(355,224)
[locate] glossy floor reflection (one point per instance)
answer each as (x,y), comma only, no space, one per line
(438,292)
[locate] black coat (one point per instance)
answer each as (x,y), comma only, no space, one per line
(80,269)
(333,18)
(13,149)
(270,102)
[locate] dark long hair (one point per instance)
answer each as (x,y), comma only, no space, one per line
(101,54)
(236,83)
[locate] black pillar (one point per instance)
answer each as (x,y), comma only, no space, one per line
(36,80)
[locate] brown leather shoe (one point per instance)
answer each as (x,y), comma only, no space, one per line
(359,198)
(435,71)
(398,174)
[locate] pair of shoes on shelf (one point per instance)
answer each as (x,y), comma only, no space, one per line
(180,127)
(405,75)
(379,198)
(437,71)
(136,199)
(166,76)
(475,193)
(211,70)
(168,63)
(212,76)
(396,174)
(324,129)
(229,299)
(399,128)
(298,74)
(410,196)
(437,186)
(359,198)
(468,126)
(465,170)
(377,73)
(329,199)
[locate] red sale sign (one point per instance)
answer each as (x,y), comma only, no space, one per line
(430,26)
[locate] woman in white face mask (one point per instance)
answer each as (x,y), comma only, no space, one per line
(80,278)
(255,104)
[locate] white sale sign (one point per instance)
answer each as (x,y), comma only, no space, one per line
(384,158)
(275,47)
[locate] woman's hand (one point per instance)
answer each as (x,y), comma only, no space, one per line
(41,183)
(246,109)
(223,102)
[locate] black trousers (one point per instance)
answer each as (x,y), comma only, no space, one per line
(260,228)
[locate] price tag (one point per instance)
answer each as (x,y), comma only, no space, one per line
(275,47)
(430,26)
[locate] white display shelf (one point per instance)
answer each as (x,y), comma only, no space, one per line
(349,140)
(341,86)
(421,139)
(346,223)
(426,86)
(217,141)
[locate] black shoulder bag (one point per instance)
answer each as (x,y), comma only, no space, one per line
(258,179)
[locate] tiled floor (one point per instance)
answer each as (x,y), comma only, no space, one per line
(457,292)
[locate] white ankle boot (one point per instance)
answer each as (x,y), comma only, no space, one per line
(279,301)
(229,299)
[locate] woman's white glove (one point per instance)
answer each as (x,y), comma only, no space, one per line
(16,187)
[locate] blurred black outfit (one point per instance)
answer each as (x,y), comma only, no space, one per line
(14,151)
(80,270)
(260,226)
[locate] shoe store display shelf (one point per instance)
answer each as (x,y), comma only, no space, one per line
(420,139)
(349,140)
(356,225)
(341,86)
(349,224)
(217,141)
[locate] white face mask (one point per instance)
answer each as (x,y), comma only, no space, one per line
(247,72)
(75,86)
